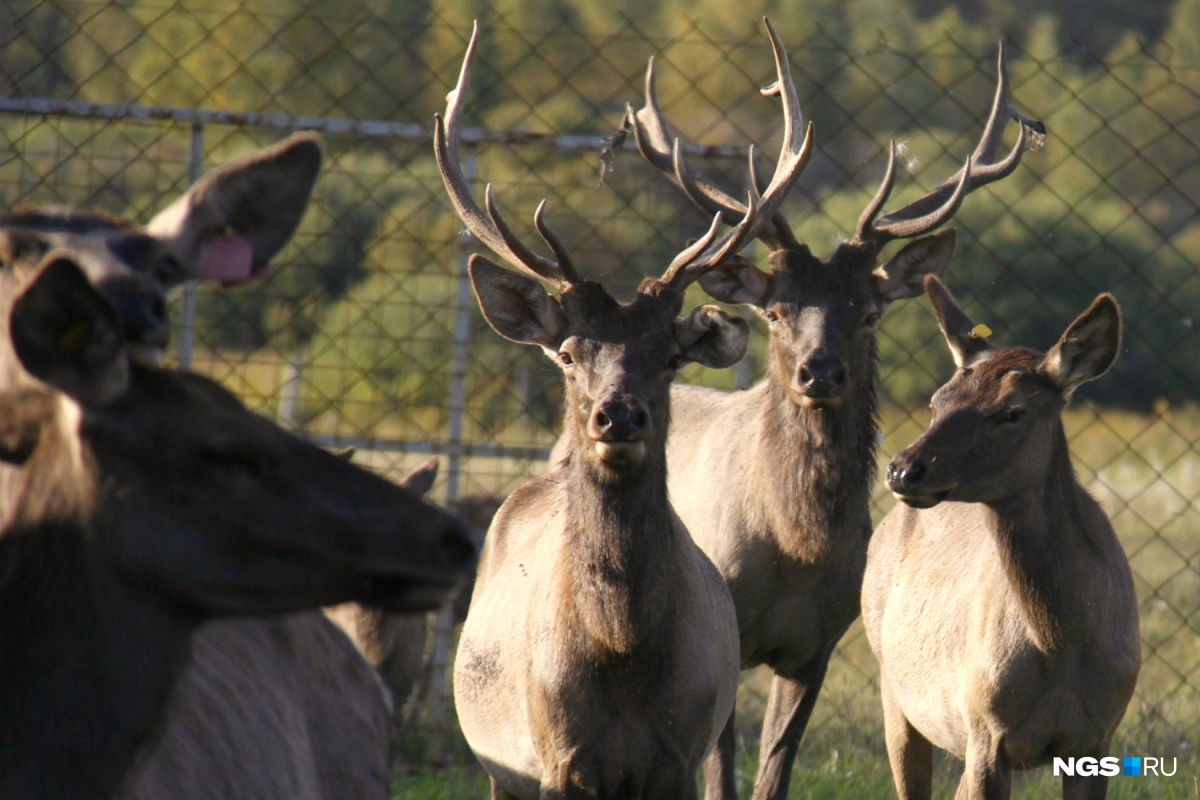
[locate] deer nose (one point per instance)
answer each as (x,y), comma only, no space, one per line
(901,477)
(822,375)
(623,418)
(143,309)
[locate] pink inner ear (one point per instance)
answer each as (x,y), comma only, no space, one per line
(228,259)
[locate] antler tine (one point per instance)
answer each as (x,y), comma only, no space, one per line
(658,147)
(490,228)
(993,132)
(795,151)
(703,254)
(867,219)
(935,208)
(564,272)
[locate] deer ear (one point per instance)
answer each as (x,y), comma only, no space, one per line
(902,276)
(1087,348)
(231,223)
(738,282)
(956,326)
(517,307)
(68,336)
(421,479)
(711,337)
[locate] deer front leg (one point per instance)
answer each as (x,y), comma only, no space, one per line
(673,780)
(909,753)
(1078,787)
(788,710)
(987,773)
(719,766)
(1091,787)
(572,778)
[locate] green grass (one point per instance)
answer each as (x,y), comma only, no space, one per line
(828,772)
(453,783)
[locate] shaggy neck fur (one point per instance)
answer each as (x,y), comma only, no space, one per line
(819,465)
(619,530)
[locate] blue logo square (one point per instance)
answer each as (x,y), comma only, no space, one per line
(1131,766)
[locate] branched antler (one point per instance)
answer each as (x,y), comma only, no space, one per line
(921,216)
(933,209)
(489,227)
(664,152)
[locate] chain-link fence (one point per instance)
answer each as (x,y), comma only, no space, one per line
(367,332)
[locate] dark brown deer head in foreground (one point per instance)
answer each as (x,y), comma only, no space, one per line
(618,359)
(996,428)
(152,443)
(135,503)
(822,313)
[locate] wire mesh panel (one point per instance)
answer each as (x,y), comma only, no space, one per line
(366,333)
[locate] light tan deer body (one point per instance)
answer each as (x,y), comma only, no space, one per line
(599,657)
(997,598)
(272,709)
(622,702)
(282,708)
(774,483)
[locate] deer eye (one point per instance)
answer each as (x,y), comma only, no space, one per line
(772,317)
(1014,415)
(565,358)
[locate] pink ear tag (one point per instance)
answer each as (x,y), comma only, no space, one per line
(228,259)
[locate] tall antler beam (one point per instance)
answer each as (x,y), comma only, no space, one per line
(489,227)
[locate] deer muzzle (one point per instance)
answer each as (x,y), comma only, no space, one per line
(619,428)
(820,380)
(907,478)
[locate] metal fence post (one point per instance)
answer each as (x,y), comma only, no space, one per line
(743,374)
(289,395)
(443,631)
(187,316)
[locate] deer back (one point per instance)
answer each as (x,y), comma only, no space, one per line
(280,709)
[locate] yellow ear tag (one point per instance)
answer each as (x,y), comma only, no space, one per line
(74,337)
(980,331)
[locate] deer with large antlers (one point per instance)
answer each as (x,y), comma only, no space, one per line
(997,597)
(599,656)
(774,483)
